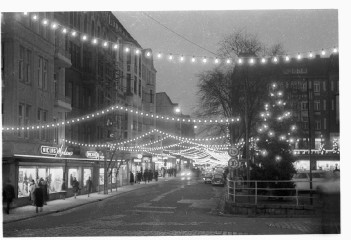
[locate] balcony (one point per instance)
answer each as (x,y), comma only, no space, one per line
(63,102)
(62,57)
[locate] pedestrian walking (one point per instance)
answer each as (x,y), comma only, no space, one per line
(145,177)
(89,184)
(150,175)
(131,178)
(8,195)
(139,177)
(75,185)
(156,176)
(31,191)
(38,198)
(43,185)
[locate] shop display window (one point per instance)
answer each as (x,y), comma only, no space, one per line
(86,174)
(101,177)
(72,173)
(55,179)
(25,175)
(53,176)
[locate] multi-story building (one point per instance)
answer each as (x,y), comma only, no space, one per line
(322,76)
(64,65)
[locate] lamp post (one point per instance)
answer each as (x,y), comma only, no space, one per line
(178,111)
(309,136)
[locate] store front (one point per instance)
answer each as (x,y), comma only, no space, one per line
(55,165)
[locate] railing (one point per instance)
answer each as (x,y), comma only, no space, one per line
(255,192)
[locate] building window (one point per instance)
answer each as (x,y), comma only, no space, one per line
(39,72)
(42,119)
(303,105)
(28,66)
(151,97)
(56,135)
(324,86)
(305,125)
(23,119)
(45,74)
(317,105)
(129,83)
(316,87)
(332,85)
(21,63)
(135,84)
(318,125)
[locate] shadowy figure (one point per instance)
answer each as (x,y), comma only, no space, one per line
(8,195)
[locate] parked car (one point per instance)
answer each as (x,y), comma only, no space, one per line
(302,179)
(207,177)
(218,179)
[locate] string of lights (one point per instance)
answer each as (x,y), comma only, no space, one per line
(117,107)
(177,58)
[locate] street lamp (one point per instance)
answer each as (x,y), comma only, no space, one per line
(178,111)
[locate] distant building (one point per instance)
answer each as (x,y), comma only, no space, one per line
(165,106)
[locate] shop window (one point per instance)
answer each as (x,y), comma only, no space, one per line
(25,176)
(55,179)
(72,173)
(86,175)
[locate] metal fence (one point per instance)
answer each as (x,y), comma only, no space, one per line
(268,192)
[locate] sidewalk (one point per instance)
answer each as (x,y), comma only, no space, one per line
(60,205)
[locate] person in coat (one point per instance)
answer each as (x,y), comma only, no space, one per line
(8,195)
(131,180)
(156,175)
(139,177)
(38,198)
(32,186)
(89,184)
(44,186)
(75,185)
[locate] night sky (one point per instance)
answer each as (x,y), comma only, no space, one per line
(296,30)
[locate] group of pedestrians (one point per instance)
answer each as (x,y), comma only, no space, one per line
(147,176)
(172,172)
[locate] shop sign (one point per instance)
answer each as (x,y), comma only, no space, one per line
(92,154)
(57,152)
(137,160)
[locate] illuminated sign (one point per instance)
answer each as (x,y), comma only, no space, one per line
(57,152)
(92,154)
(137,160)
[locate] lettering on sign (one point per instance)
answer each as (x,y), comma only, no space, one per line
(61,152)
(48,150)
(92,154)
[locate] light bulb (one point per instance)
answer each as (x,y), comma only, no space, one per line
(84,38)
(263,60)
(216,61)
